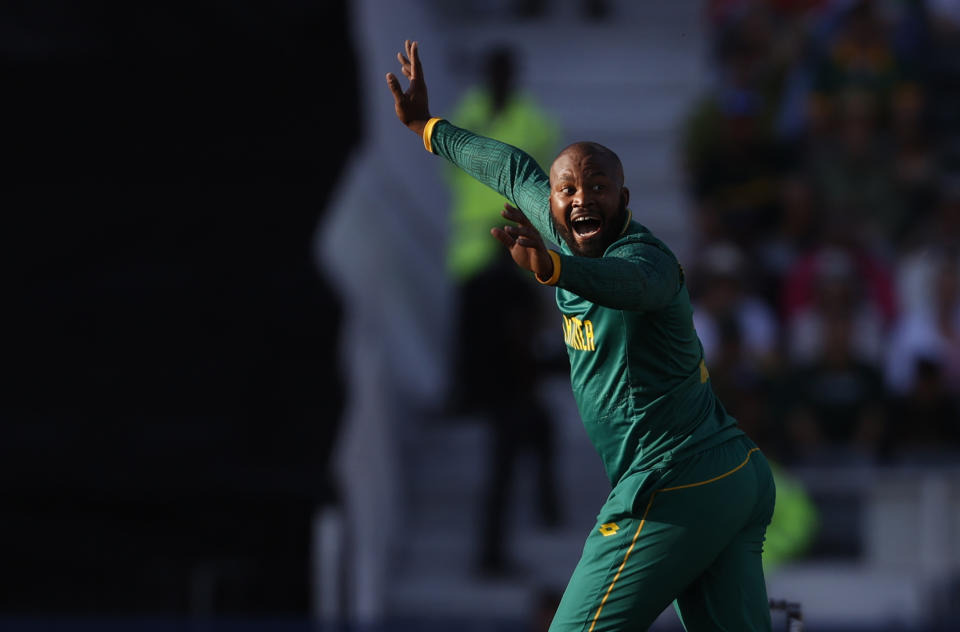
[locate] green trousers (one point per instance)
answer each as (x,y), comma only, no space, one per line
(690,533)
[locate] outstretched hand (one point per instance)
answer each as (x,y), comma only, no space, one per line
(524,243)
(411,106)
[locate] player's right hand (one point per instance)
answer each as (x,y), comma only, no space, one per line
(411,106)
(524,243)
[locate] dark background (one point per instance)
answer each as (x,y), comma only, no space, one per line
(172,385)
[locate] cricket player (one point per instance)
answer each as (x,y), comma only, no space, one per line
(692,495)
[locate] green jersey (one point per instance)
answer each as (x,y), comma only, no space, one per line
(636,364)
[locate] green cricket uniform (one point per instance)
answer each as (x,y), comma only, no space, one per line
(692,496)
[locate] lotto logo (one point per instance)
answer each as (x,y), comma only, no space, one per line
(608,529)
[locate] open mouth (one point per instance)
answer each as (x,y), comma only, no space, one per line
(586,226)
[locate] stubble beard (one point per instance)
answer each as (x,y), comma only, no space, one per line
(611,231)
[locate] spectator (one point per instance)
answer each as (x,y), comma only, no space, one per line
(723,290)
(943,76)
(937,231)
(926,418)
(795,522)
(929,330)
(498,309)
(916,163)
(833,403)
(853,169)
(861,57)
(742,385)
(496,108)
(732,158)
(796,234)
(837,283)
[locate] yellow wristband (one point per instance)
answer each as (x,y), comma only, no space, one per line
(428,131)
(556,270)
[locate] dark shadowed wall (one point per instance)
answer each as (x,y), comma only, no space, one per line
(173,388)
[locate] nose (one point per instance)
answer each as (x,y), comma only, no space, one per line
(581,198)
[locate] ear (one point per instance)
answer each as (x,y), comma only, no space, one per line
(625,196)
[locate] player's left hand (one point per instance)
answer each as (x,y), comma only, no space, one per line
(524,243)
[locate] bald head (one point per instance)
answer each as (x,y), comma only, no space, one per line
(588,202)
(580,152)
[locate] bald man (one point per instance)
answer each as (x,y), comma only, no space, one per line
(691,494)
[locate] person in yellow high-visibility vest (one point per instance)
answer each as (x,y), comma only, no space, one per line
(499,110)
(497,309)
(795,522)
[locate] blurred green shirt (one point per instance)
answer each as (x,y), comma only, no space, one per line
(476,207)
(795,523)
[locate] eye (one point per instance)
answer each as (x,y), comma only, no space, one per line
(568,190)
(598,187)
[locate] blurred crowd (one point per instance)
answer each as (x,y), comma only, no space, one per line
(823,166)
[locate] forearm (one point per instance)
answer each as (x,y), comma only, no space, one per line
(618,283)
(504,168)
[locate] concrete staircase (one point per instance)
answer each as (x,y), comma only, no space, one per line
(446,465)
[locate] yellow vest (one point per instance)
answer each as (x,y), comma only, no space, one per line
(795,521)
(476,208)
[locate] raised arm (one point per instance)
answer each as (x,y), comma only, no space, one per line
(412,106)
(506,169)
(510,171)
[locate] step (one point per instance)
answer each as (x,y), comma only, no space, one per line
(469,598)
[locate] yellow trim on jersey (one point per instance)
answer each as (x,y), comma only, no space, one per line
(554,255)
(715,478)
(643,520)
(556,270)
(626,224)
(428,132)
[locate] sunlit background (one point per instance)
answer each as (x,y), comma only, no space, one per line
(239,395)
